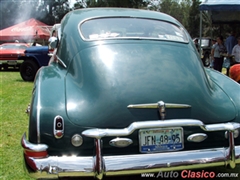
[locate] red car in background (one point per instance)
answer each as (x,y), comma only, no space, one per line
(9,53)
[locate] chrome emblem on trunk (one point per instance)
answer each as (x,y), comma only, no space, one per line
(155,105)
(162,109)
(160,105)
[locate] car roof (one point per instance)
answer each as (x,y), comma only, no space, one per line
(89,13)
(70,31)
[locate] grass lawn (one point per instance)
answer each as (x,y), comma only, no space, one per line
(15,95)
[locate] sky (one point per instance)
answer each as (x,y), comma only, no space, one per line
(71,2)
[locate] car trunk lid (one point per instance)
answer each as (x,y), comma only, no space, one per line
(113,76)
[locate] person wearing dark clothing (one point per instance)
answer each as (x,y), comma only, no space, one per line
(217,51)
(231,41)
(196,44)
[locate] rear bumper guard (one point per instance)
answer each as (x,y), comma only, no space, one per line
(99,166)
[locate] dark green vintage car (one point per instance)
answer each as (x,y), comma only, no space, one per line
(126,93)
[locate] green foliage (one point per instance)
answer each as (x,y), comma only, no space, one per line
(194,19)
(116,3)
(80,4)
(179,9)
(47,11)
(54,10)
(13,12)
(185,9)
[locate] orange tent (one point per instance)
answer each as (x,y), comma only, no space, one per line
(31,29)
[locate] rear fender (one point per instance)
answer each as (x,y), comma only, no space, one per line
(230,87)
(47,101)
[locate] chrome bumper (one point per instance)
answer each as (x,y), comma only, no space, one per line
(11,62)
(99,166)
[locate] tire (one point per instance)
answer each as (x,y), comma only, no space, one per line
(28,70)
(206,60)
(5,67)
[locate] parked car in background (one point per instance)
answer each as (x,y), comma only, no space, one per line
(125,92)
(9,53)
(206,46)
(33,58)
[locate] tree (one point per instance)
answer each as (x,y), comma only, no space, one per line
(52,11)
(13,12)
(172,8)
(178,9)
(111,3)
(194,19)
(185,9)
(47,11)
(80,4)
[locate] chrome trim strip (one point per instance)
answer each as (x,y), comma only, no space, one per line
(155,106)
(230,126)
(38,109)
(99,133)
(61,61)
(71,166)
(162,109)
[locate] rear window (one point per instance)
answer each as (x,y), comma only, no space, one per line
(109,28)
(205,42)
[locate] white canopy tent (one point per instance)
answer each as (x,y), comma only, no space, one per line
(221,11)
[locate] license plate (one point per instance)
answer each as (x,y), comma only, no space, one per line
(161,139)
(12,62)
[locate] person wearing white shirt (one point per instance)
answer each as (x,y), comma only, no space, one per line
(236,51)
(54,35)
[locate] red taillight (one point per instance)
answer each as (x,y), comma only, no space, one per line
(35,154)
(58,127)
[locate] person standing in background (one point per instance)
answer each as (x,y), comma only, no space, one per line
(54,34)
(197,45)
(211,58)
(231,41)
(217,50)
(236,52)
